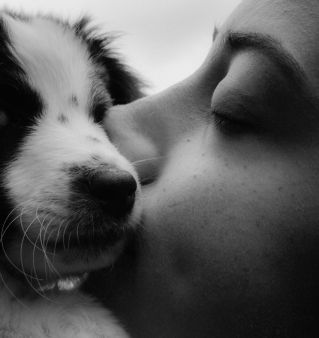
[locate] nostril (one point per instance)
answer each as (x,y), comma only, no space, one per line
(116,187)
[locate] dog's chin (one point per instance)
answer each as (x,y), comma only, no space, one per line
(77,249)
(77,261)
(40,268)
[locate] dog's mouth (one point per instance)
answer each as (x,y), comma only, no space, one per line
(73,250)
(53,238)
(92,240)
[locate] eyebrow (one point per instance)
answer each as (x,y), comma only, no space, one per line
(273,49)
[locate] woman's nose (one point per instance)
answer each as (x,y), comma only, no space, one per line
(146,130)
(133,137)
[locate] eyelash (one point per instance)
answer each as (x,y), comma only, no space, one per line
(230,125)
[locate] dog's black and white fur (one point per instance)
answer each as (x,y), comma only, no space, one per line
(67,196)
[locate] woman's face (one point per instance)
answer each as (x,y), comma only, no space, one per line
(231,231)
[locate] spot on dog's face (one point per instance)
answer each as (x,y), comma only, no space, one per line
(58,166)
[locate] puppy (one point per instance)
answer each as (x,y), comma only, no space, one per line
(68,197)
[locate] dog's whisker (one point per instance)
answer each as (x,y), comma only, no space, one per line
(48,260)
(9,260)
(26,276)
(42,229)
(48,263)
(33,263)
(21,249)
(48,239)
(77,234)
(26,232)
(46,244)
(4,227)
(148,159)
(63,236)
(57,238)
(51,263)
(35,278)
(70,234)
(39,289)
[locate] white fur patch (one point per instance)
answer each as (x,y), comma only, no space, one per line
(71,315)
(56,62)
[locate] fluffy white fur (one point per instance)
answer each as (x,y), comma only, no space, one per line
(67,315)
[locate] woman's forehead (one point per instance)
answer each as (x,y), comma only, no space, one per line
(293,24)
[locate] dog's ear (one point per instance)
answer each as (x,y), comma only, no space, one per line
(123,85)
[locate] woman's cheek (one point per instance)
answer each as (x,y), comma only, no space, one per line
(221,225)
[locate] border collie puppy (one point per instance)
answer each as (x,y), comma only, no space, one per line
(68,198)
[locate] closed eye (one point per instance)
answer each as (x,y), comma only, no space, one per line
(231,125)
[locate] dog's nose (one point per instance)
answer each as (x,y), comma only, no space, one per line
(116,188)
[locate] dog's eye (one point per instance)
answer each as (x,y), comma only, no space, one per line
(4,120)
(99,110)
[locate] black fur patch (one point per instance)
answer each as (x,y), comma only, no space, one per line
(21,104)
(98,110)
(122,85)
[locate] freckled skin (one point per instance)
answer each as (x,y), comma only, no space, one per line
(230,239)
